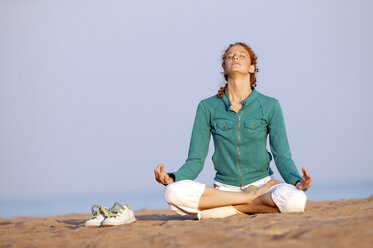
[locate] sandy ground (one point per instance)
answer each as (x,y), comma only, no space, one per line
(343,223)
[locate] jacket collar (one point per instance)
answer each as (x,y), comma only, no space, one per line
(247,101)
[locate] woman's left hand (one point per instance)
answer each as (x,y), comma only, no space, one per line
(305,182)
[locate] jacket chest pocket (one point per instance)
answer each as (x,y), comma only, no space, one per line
(255,129)
(223,128)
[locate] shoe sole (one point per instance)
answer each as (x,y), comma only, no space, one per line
(93,226)
(133,219)
(97,225)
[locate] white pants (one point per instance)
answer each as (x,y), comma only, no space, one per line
(183,197)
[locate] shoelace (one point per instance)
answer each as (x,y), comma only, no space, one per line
(114,212)
(104,211)
(100,210)
(94,213)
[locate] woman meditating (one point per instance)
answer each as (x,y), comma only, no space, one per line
(239,119)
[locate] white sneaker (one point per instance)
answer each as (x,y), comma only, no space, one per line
(123,215)
(97,217)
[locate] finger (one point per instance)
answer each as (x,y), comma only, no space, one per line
(158,167)
(308,176)
(305,172)
(164,179)
(304,177)
(162,167)
(157,170)
(165,176)
(156,173)
(307,182)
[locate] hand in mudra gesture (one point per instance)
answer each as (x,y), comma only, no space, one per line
(161,176)
(305,182)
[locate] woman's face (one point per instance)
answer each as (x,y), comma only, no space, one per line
(238,60)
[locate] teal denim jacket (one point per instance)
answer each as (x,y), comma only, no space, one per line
(240,140)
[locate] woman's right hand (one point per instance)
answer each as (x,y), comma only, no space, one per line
(161,176)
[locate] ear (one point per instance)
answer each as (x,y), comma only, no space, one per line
(252,69)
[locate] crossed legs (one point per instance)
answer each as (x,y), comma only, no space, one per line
(262,204)
(192,198)
(250,199)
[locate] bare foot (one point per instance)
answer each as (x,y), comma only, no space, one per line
(269,184)
(254,192)
(251,188)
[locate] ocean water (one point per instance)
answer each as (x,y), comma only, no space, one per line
(62,205)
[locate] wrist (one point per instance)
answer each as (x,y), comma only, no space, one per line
(172,175)
(171,179)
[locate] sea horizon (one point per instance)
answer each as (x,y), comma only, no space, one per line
(148,199)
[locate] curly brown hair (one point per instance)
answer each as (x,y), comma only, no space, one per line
(253,59)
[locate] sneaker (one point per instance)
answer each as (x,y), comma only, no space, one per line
(97,217)
(123,215)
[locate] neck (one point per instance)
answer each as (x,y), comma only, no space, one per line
(239,88)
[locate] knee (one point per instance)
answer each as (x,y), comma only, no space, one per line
(296,202)
(289,199)
(174,192)
(171,191)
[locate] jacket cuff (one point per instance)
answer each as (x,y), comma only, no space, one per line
(292,178)
(172,175)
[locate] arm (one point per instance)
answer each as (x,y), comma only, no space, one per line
(280,146)
(198,147)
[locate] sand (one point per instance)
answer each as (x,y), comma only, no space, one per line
(343,223)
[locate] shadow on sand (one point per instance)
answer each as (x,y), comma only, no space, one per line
(164,217)
(78,223)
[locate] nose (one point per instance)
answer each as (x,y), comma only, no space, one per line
(235,57)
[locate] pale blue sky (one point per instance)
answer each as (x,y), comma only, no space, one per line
(94,94)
